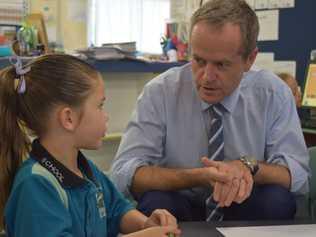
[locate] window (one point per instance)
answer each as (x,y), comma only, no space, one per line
(142,21)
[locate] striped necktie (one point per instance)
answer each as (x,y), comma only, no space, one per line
(216,141)
(215,152)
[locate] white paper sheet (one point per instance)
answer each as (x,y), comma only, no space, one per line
(270,231)
(269,25)
(261,4)
(274,4)
(264,60)
(284,67)
(178,10)
(251,3)
(287,3)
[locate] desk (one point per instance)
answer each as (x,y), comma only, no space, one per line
(205,229)
(310,136)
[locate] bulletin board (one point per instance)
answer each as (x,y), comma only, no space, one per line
(297,36)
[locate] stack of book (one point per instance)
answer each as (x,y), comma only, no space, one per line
(112,51)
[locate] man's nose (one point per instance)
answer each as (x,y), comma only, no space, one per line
(209,72)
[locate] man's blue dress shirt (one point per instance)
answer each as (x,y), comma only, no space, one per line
(169,128)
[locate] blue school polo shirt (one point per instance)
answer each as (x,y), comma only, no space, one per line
(47,199)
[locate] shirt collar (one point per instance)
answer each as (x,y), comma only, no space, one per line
(65,177)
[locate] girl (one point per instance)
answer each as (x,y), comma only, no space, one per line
(57,191)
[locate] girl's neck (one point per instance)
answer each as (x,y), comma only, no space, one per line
(64,152)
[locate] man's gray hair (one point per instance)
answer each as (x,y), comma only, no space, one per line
(220,12)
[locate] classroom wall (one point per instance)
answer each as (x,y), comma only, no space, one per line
(121,91)
(65,21)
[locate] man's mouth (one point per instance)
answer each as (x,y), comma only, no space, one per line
(208,88)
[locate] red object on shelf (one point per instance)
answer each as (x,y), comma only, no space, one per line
(3,39)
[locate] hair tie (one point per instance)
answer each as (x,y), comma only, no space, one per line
(19,82)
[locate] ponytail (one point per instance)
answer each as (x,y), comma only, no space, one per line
(14,142)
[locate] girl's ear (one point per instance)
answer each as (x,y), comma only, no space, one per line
(68,118)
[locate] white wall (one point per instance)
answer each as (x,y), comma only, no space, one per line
(121,91)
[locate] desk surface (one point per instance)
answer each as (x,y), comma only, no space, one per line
(205,229)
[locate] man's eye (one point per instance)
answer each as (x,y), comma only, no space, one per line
(220,65)
(200,62)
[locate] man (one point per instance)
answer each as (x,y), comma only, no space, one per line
(165,159)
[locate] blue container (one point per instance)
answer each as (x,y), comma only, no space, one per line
(5,50)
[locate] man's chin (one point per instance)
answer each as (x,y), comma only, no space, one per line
(210,99)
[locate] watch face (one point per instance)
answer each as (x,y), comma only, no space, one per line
(251,163)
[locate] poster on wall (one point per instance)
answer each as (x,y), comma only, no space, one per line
(269,25)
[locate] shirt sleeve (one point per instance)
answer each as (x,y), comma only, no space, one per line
(116,205)
(286,145)
(35,209)
(142,142)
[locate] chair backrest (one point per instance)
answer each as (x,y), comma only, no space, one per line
(312,164)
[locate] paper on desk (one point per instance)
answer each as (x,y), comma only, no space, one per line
(271,231)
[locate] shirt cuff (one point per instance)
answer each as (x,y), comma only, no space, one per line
(123,179)
(299,176)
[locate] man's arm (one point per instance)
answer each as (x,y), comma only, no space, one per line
(150,177)
(241,183)
(286,156)
(273,174)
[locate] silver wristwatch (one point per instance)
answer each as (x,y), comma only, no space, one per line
(251,163)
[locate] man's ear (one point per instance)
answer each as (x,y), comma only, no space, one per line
(68,118)
(251,59)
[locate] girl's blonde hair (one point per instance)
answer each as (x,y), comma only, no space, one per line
(53,79)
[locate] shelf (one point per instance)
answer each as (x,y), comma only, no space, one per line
(309,130)
(133,66)
(119,66)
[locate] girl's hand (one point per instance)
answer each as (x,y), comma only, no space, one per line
(156,231)
(161,217)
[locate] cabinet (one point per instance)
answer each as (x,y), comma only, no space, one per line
(310,136)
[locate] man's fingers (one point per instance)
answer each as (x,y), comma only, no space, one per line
(249,185)
(233,192)
(210,163)
(242,194)
(217,191)
(219,176)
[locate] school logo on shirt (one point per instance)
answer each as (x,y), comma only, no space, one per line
(53,169)
(100,202)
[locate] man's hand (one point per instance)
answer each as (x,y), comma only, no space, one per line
(212,175)
(240,185)
(161,217)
